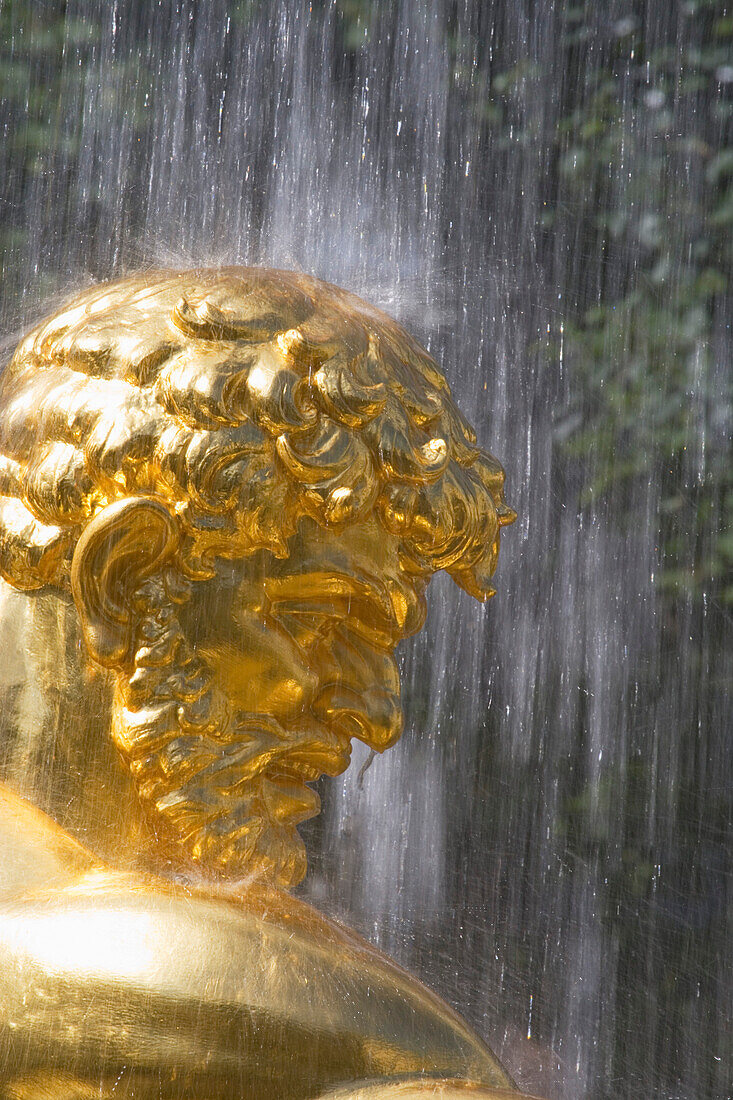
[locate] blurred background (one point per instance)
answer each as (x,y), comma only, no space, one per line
(542,192)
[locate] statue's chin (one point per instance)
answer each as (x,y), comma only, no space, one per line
(254,834)
(277,854)
(280,856)
(255,846)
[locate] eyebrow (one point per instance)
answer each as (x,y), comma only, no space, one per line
(362,602)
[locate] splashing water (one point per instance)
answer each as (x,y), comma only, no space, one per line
(538,191)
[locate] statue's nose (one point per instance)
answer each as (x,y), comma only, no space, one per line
(374,715)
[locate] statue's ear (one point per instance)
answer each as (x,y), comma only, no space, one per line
(125,543)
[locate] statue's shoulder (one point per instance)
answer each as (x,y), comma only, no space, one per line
(172,982)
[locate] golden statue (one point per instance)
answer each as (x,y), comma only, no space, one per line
(222,496)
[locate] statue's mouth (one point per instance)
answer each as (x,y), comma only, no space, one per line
(301,754)
(373,716)
(309,765)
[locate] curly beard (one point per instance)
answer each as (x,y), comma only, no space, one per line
(227,789)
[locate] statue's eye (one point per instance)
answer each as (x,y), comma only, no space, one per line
(306,626)
(320,601)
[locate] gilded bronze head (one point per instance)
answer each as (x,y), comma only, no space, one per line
(246,479)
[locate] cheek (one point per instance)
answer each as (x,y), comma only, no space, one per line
(261,671)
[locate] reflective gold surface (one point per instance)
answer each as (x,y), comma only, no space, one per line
(420,1089)
(130,982)
(223,495)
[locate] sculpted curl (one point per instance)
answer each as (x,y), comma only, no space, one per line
(246,399)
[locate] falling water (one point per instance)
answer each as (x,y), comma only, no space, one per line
(537,189)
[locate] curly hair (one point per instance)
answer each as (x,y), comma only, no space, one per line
(245,399)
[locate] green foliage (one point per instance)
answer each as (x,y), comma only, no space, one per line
(640,179)
(36,86)
(640,189)
(640,199)
(645,174)
(357,17)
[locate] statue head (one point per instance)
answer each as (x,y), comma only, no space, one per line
(245,478)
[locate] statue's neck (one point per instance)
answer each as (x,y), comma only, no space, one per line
(55,747)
